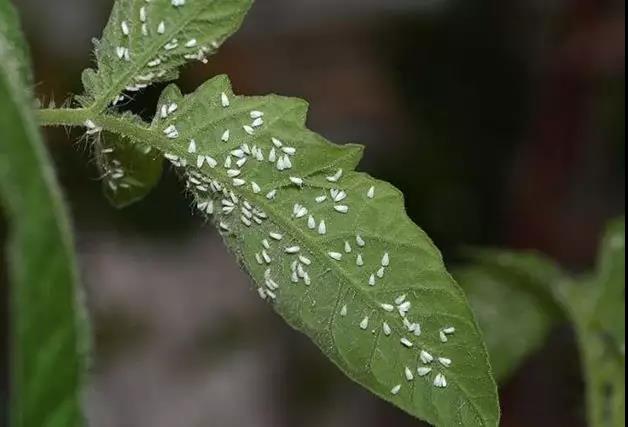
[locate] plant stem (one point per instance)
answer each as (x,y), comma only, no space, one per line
(63,116)
(125,126)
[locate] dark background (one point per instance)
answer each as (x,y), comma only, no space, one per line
(501,121)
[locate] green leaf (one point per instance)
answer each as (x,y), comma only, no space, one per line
(146,42)
(47,335)
(604,366)
(129,171)
(514,319)
(597,307)
(610,308)
(536,271)
(14,41)
(332,250)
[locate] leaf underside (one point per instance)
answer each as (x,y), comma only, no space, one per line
(48,332)
(332,250)
(146,42)
(129,171)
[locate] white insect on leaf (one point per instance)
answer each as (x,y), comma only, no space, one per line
(445,361)
(396,389)
(406,342)
(192,147)
(440,381)
(364,323)
(335,255)
(423,371)
(388,307)
(408,374)
(322,227)
(386,328)
(372,280)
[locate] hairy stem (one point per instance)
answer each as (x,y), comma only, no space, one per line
(124,126)
(63,116)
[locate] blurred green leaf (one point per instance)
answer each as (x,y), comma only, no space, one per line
(514,319)
(14,43)
(596,306)
(610,309)
(47,327)
(538,273)
(129,171)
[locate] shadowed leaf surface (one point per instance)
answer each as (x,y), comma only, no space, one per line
(515,322)
(129,171)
